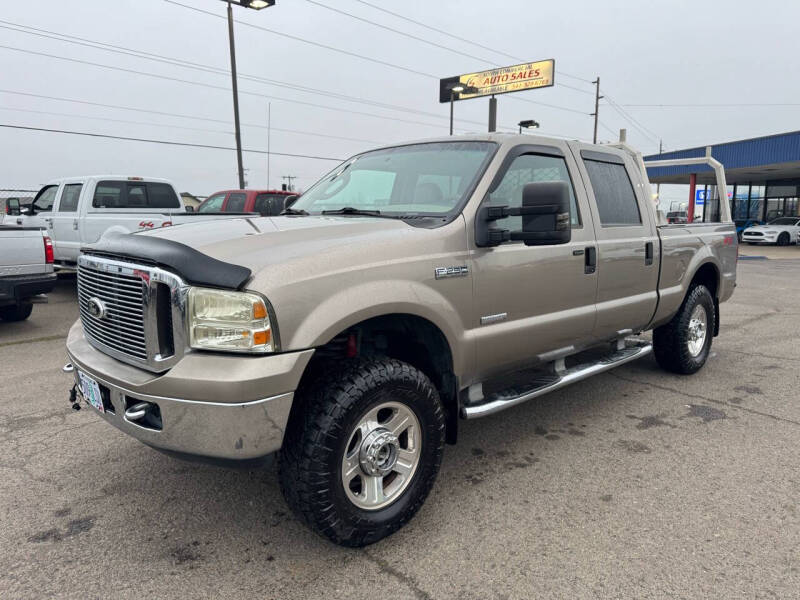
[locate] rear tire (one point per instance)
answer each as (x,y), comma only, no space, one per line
(18,312)
(783,239)
(682,346)
(336,468)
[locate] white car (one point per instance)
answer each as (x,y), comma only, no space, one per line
(77,211)
(782,231)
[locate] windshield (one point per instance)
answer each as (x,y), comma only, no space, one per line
(420,179)
(784,221)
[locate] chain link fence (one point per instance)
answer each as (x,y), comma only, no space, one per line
(25,197)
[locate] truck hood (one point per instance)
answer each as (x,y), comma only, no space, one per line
(262,242)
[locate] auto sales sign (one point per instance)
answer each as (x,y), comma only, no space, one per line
(501,80)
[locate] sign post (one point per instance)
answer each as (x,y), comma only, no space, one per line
(503,80)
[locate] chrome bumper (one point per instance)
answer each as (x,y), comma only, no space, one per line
(251,425)
(209,429)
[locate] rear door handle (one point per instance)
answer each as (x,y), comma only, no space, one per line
(648,253)
(590,260)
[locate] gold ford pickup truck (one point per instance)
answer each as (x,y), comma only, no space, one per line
(412,286)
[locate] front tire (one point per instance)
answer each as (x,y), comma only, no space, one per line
(363,449)
(17,312)
(783,239)
(683,345)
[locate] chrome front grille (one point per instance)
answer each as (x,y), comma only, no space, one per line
(135,313)
(121,327)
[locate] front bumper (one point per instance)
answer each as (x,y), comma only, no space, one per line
(213,406)
(767,238)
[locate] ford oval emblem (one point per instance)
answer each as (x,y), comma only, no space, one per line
(96,308)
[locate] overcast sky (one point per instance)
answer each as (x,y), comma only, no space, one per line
(677,52)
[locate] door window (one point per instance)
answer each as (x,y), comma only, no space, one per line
(530,168)
(613,192)
(69,197)
(44,199)
(212,204)
(236,203)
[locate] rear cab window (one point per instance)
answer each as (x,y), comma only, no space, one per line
(132,195)
(270,205)
(617,205)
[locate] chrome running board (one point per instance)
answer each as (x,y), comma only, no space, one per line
(499,401)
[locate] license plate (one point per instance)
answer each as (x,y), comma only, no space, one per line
(91,391)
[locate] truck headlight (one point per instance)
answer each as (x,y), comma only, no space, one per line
(229,321)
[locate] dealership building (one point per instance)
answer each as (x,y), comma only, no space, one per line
(762,175)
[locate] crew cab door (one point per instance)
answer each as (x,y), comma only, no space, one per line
(532,300)
(66,236)
(628,249)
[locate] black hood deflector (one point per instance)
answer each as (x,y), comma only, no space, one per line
(193,266)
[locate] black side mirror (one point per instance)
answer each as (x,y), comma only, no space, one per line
(289,201)
(189,208)
(545,213)
(12,207)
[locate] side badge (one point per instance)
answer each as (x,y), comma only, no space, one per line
(444,272)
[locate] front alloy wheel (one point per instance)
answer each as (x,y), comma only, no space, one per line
(362,448)
(381,456)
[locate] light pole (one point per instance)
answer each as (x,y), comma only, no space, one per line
(459,88)
(256,5)
(528,124)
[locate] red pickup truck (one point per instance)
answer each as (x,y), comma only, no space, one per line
(265,202)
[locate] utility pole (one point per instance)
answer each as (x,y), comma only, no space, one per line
(492,114)
(290,185)
(269,132)
(237,130)
(596,113)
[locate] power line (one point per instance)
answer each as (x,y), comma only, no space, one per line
(349,53)
(218,87)
(423,40)
(462,39)
(85,42)
(722,105)
(166,142)
(152,124)
(653,137)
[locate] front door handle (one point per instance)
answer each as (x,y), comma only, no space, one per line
(590,260)
(648,253)
(75,224)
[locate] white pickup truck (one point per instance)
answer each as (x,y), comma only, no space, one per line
(78,211)
(26,270)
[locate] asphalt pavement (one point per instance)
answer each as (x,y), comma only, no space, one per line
(633,484)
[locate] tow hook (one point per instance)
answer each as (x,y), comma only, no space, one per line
(68,368)
(137,411)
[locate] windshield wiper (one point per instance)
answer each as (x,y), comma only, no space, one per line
(293,211)
(349,210)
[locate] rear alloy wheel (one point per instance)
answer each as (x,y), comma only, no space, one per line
(362,449)
(783,239)
(683,345)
